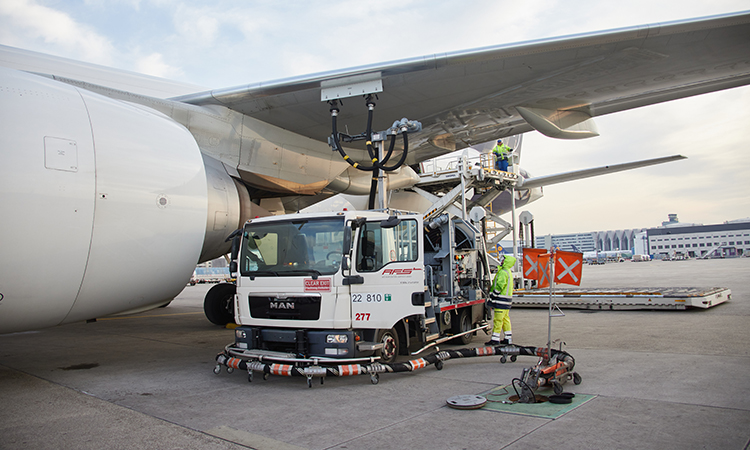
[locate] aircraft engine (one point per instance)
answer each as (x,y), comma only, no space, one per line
(103,204)
(229,207)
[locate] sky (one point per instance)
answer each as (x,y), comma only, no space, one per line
(228,43)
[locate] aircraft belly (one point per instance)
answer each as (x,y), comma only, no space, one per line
(47,187)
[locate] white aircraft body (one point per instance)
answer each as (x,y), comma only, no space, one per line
(113,185)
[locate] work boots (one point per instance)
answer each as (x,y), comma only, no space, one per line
(494,342)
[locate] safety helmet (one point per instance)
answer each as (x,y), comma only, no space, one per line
(499,141)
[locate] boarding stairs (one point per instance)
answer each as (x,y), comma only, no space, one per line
(713,249)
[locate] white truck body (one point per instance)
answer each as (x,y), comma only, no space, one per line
(347,284)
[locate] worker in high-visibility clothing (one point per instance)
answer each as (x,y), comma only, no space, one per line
(500,299)
(502,154)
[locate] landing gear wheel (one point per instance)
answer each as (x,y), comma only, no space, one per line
(513,358)
(309,381)
(219,304)
(557,387)
(249,376)
(463,324)
(503,359)
(217,369)
(439,365)
(265,376)
(576,379)
(374,378)
(389,339)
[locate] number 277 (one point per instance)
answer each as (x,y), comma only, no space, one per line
(361,316)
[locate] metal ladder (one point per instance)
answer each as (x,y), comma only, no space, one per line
(431,327)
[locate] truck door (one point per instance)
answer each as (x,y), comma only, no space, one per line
(388,258)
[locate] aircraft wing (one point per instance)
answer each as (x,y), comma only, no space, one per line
(552,85)
(534,182)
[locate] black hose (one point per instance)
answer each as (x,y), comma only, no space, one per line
(337,144)
(368,130)
(376,163)
(226,359)
(403,155)
(373,189)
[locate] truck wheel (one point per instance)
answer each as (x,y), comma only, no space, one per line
(463,324)
(219,304)
(389,338)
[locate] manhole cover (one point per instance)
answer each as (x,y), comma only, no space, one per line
(466,401)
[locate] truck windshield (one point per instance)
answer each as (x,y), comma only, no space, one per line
(292,247)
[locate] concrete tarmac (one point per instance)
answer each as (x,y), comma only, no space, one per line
(661,379)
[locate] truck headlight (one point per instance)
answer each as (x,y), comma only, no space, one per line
(337,339)
(337,351)
(240,334)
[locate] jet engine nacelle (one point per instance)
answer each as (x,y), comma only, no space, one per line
(103,204)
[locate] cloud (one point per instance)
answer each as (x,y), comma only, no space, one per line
(154,64)
(26,19)
(198,26)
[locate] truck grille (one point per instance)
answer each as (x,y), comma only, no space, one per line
(288,308)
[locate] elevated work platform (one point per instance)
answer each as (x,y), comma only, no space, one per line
(678,298)
(445,182)
(441,177)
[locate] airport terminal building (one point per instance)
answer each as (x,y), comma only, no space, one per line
(692,241)
(669,241)
(591,241)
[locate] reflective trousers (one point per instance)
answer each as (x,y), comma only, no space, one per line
(501,322)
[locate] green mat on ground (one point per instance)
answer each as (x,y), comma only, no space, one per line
(548,410)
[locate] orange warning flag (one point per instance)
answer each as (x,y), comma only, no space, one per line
(531,262)
(545,270)
(568,267)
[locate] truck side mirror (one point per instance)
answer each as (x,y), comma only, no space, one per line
(347,240)
(235,251)
(346,262)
